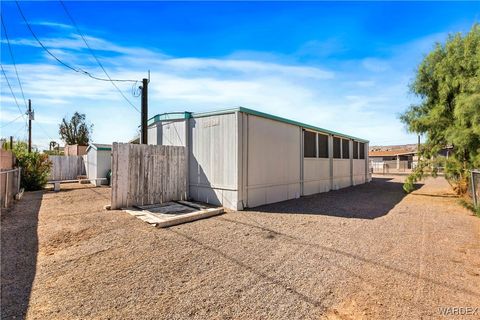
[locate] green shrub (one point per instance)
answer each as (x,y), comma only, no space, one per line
(35,167)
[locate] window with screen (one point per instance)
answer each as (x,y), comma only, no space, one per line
(322,146)
(336,148)
(362,150)
(309,144)
(345,149)
(355,150)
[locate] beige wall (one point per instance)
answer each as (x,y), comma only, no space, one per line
(213,155)
(316,177)
(341,173)
(273,161)
(359,175)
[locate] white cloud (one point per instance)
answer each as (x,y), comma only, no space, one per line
(361,98)
(375,65)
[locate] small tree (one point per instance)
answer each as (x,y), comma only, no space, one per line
(35,167)
(75,131)
(448,83)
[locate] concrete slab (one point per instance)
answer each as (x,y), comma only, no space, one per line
(173,213)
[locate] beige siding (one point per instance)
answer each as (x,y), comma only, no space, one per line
(316,176)
(173,133)
(273,161)
(167,133)
(358,171)
(213,160)
(341,173)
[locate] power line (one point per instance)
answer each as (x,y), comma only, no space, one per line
(13,59)
(12,121)
(11,90)
(44,131)
(94,55)
(79,70)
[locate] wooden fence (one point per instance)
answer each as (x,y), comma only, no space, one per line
(147,174)
(9,186)
(66,168)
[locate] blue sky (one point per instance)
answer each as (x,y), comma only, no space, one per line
(342,66)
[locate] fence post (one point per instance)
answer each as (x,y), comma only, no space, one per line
(474,192)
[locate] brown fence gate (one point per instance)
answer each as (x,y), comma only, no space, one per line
(147,174)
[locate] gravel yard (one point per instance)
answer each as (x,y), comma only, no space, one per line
(365,252)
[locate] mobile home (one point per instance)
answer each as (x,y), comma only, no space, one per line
(242,158)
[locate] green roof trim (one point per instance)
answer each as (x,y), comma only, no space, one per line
(259,114)
(169,116)
(99,147)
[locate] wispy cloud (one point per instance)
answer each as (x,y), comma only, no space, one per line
(361,98)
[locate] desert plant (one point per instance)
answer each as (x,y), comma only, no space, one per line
(35,167)
(448,84)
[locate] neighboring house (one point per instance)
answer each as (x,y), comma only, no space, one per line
(98,162)
(74,150)
(399,158)
(396,159)
(244,158)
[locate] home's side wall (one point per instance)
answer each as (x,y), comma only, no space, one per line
(213,159)
(272,162)
(316,177)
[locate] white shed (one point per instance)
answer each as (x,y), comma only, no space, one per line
(98,161)
(243,158)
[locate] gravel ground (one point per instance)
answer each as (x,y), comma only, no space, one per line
(366,252)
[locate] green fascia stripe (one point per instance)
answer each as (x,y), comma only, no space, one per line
(169,116)
(259,114)
(104,149)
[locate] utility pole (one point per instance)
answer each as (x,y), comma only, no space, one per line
(30,118)
(144,116)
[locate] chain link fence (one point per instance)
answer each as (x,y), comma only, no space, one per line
(475,187)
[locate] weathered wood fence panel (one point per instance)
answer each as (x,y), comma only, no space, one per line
(66,167)
(147,174)
(9,186)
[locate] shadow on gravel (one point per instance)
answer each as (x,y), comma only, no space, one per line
(19,243)
(366,201)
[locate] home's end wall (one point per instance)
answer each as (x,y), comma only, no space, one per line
(213,160)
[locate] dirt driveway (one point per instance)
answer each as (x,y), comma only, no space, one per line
(366,252)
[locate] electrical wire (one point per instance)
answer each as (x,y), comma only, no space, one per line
(94,55)
(13,60)
(79,70)
(11,90)
(44,131)
(11,121)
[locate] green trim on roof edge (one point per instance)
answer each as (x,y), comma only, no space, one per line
(259,114)
(169,116)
